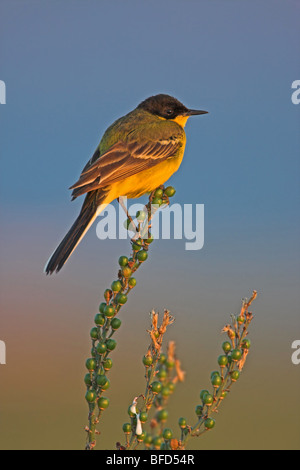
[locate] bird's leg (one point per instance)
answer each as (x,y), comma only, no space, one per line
(121,202)
(151,196)
(151,210)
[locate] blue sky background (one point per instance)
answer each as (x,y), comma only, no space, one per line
(71,68)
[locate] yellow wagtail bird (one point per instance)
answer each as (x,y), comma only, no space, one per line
(137,153)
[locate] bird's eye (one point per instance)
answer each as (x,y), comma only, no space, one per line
(169,111)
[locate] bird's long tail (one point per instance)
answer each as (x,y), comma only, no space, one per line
(88,214)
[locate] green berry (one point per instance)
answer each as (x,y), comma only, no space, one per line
(182,423)
(157,442)
(123,261)
(107,295)
(171,386)
(209,423)
(106,385)
(127,428)
(121,298)
(235,375)
(109,311)
(246,344)
(99,319)
(222,361)
(148,440)
(236,355)
(170,191)
(130,413)
(157,201)
(111,344)
(208,399)
(116,286)
(215,372)
(202,393)
(162,358)
(101,348)
(167,434)
(240,320)
(158,193)
(142,255)
(199,410)
(115,323)
(223,395)
(131,282)
(141,215)
(87,380)
(170,364)
(149,240)
(101,380)
(102,307)
(128,225)
(141,437)
(103,403)
(165,391)
(162,415)
(91,396)
(162,374)
(226,346)
(107,364)
(216,381)
(147,361)
(91,364)
(94,333)
(136,247)
(156,387)
(126,271)
(143,416)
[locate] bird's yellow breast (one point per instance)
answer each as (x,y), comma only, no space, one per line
(147,180)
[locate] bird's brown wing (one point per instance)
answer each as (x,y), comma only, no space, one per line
(123,160)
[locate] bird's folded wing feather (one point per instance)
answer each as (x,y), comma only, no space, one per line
(122,160)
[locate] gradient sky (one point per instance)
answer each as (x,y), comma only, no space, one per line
(71,68)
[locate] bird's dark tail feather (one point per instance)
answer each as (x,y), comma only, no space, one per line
(75,234)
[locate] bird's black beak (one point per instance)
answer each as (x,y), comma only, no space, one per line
(194,112)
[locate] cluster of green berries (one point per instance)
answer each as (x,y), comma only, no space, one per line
(162,386)
(140,250)
(149,441)
(227,360)
(102,343)
(161,196)
(99,364)
(107,323)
